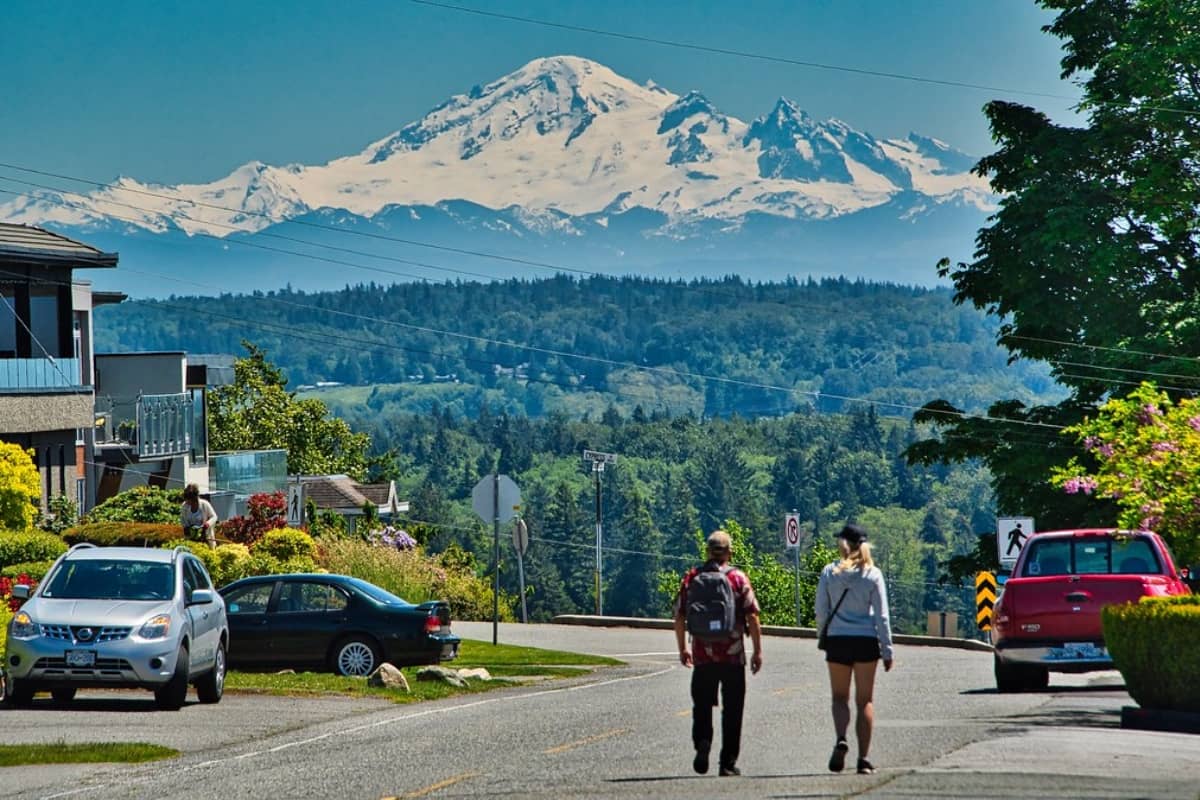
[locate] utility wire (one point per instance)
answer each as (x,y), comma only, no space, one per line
(724,51)
(667,371)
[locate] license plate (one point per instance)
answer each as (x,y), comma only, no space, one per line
(81,658)
(1074,650)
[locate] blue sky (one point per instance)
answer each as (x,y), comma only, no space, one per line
(184,91)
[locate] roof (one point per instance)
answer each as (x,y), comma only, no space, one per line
(25,243)
(156,554)
(340,491)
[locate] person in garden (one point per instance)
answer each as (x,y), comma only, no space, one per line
(717,606)
(198,516)
(852,613)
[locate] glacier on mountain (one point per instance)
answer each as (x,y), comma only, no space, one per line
(558,139)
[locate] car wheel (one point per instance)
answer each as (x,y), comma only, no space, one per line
(1037,679)
(211,686)
(172,696)
(356,657)
(1010,678)
(64,695)
(18,693)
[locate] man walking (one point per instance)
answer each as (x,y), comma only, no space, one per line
(717,606)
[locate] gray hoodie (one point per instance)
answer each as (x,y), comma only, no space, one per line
(864,612)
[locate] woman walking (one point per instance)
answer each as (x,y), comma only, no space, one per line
(852,612)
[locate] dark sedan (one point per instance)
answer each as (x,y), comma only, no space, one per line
(331,622)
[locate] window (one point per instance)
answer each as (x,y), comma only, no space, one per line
(43,322)
(1091,555)
(198,575)
(8,323)
(250,600)
(299,597)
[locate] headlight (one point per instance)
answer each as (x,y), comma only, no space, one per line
(23,626)
(156,628)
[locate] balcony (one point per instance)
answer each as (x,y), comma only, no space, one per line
(39,374)
(154,425)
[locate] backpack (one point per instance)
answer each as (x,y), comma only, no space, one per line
(711,606)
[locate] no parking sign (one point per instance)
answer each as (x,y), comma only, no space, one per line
(791,530)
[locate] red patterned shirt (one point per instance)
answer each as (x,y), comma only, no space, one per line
(733,649)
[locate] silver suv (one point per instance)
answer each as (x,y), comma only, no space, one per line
(119,617)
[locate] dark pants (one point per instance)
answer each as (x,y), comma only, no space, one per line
(732,680)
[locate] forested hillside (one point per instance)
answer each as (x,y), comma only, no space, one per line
(677,476)
(710,348)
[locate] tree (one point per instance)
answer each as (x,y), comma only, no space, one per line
(1144,453)
(20,488)
(256,412)
(1092,262)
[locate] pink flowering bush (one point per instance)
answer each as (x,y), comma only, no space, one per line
(389,536)
(1144,453)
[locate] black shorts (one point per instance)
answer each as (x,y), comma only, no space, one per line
(852,649)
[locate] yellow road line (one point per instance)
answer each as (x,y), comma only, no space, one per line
(687,713)
(562,748)
(434,787)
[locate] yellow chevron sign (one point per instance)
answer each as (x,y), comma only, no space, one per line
(985,599)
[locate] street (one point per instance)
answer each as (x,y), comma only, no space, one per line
(942,731)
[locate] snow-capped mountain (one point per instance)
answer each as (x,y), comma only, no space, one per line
(561,144)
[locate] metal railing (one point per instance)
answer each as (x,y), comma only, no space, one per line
(39,373)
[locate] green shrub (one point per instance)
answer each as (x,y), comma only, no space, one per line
(139,504)
(123,534)
(263,563)
(20,548)
(34,569)
(285,544)
(1153,644)
(417,577)
(225,564)
(5,616)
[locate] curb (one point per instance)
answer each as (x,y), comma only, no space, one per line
(1154,719)
(768,630)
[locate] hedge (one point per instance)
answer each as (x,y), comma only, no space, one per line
(123,534)
(20,548)
(1153,644)
(36,570)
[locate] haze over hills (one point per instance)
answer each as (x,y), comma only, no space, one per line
(562,161)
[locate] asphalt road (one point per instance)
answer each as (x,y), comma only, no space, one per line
(624,732)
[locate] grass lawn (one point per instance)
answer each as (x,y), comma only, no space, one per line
(12,755)
(504,661)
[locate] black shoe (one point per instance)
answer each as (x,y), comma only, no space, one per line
(700,762)
(730,770)
(865,767)
(837,761)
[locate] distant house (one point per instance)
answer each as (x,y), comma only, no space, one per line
(347,497)
(46,372)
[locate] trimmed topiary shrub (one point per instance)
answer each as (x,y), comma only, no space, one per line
(34,569)
(286,544)
(18,548)
(139,504)
(1153,644)
(123,534)
(225,564)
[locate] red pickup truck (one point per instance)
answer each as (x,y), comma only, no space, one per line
(1047,618)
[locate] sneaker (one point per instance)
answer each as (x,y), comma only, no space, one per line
(730,770)
(700,762)
(837,761)
(865,767)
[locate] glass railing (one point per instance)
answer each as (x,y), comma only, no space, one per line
(39,373)
(248,472)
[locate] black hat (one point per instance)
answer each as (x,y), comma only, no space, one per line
(853,534)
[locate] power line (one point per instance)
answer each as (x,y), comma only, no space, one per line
(724,51)
(667,371)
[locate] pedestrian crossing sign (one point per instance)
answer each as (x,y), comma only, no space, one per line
(1011,535)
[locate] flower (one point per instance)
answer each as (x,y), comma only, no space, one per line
(390,536)
(1082,483)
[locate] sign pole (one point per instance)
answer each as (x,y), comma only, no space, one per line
(597,467)
(495,557)
(521,541)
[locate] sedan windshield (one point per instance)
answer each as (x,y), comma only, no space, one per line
(378,595)
(100,579)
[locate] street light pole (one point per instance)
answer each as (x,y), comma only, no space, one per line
(598,460)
